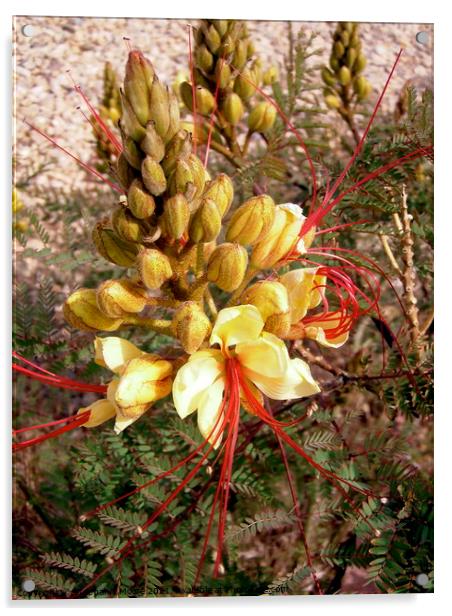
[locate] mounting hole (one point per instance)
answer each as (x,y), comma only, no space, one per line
(28,585)
(422,579)
(422,37)
(28,30)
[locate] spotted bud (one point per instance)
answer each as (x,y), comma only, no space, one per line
(113,248)
(178,148)
(118,298)
(251,222)
(139,201)
(176,215)
(220,190)
(127,226)
(82,312)
(129,122)
(159,111)
(281,238)
(206,223)
(137,83)
(227,266)
(232,108)
(181,179)
(204,100)
(222,74)
(153,176)
(131,152)
(191,326)
(200,175)
(262,117)
(124,171)
(154,267)
(271,299)
(152,144)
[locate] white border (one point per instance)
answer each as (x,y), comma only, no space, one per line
(427,11)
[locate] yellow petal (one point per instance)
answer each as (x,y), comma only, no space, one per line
(267,355)
(316,329)
(209,408)
(113,352)
(101,411)
(305,290)
(297,382)
(197,375)
(144,380)
(122,422)
(237,324)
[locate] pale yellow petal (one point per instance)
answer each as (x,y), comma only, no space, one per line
(144,380)
(305,290)
(100,412)
(113,352)
(267,355)
(122,422)
(237,324)
(197,375)
(318,334)
(209,408)
(297,382)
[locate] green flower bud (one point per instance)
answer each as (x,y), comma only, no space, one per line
(129,122)
(206,223)
(251,222)
(351,57)
(362,87)
(154,267)
(270,76)
(140,202)
(178,148)
(338,49)
(360,63)
(190,326)
(232,108)
(272,301)
(127,226)
(181,180)
(174,116)
(159,107)
(137,83)
(113,248)
(131,152)
(152,144)
(220,190)
(345,76)
(334,63)
(328,76)
(205,101)
(333,101)
(176,216)
(221,26)
(251,49)
(213,39)
(124,171)
(204,58)
(345,38)
(118,298)
(222,74)
(199,174)
(81,311)
(262,117)
(227,266)
(244,84)
(240,55)
(153,176)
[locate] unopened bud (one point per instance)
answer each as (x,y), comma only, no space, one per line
(139,201)
(204,58)
(154,268)
(152,144)
(270,76)
(129,122)
(328,76)
(333,101)
(222,74)
(232,108)
(213,38)
(124,171)
(204,99)
(82,312)
(271,299)
(153,176)
(206,223)
(178,148)
(240,55)
(262,117)
(118,298)
(244,84)
(159,111)
(113,248)
(181,179)
(127,226)
(221,190)
(190,326)
(338,49)
(281,237)
(251,221)
(345,76)
(360,63)
(227,266)
(137,83)
(176,215)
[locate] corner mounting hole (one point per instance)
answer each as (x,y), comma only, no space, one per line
(28,30)
(28,585)
(422,37)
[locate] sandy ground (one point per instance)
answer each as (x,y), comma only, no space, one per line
(44,92)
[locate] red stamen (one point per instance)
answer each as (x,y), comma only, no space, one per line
(72,422)
(61,382)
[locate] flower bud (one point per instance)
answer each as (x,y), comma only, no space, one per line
(176,215)
(362,87)
(204,58)
(244,84)
(200,176)
(152,144)
(270,76)
(178,148)
(159,111)
(251,222)
(281,237)
(206,223)
(129,123)
(328,76)
(204,99)
(334,63)
(124,171)
(351,57)
(271,299)
(213,38)
(221,26)
(333,101)
(174,116)
(127,226)
(227,266)
(144,380)
(232,108)
(140,202)
(118,298)
(137,83)
(221,190)
(240,55)
(81,311)
(262,117)
(181,179)
(360,63)
(338,49)
(222,74)
(100,412)
(113,248)
(190,326)
(345,76)
(131,152)
(153,176)
(154,267)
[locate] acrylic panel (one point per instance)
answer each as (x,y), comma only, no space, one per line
(223,315)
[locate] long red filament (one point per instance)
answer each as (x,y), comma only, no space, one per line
(71,423)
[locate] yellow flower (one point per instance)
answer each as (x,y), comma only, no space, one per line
(261,358)
(142,378)
(306,290)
